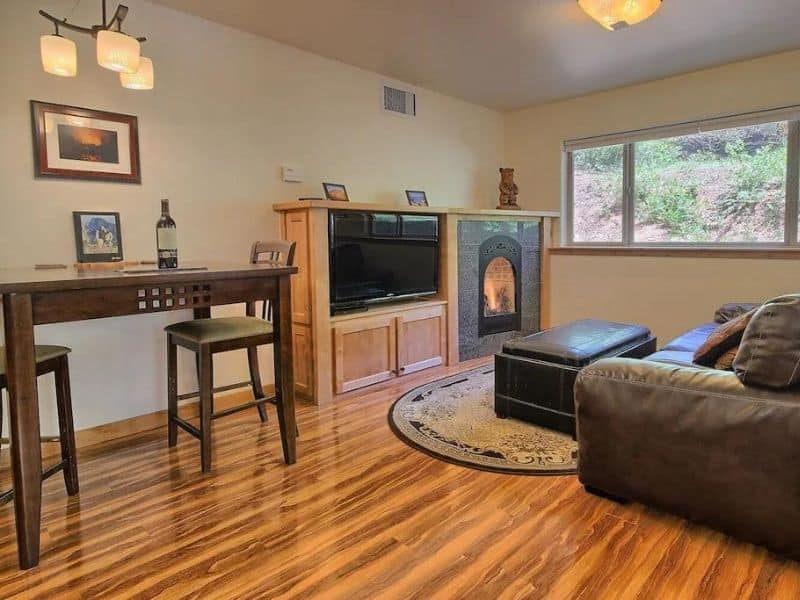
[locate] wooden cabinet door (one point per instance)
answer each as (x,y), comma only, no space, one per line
(365,352)
(296,230)
(303,362)
(421,339)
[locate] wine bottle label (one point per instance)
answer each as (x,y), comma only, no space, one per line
(167,238)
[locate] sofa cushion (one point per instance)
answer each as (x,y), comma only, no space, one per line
(692,339)
(673,357)
(726,312)
(769,354)
(726,336)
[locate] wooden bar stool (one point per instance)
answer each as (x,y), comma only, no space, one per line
(52,359)
(206,337)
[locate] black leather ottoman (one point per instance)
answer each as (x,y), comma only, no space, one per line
(534,375)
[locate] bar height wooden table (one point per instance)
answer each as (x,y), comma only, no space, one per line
(32,297)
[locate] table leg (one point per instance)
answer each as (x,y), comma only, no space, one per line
(284,369)
(26,453)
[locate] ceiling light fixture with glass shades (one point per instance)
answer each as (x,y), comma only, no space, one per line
(618,14)
(116,50)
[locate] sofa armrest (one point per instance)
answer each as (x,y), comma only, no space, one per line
(693,381)
(696,442)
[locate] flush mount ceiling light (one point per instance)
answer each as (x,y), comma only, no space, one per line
(116,50)
(618,14)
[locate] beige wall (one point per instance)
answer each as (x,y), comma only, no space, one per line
(228,109)
(668,294)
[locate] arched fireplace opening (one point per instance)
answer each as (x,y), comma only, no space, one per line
(498,288)
(499,264)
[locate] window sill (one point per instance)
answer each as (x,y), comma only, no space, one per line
(673,252)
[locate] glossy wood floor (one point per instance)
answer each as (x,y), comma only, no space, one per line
(360,515)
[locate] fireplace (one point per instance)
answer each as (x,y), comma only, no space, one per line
(499,268)
(498,282)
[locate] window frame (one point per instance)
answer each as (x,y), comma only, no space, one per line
(790,115)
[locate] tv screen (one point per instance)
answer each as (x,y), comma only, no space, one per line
(381,256)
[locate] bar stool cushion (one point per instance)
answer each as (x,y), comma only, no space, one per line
(208,331)
(43,353)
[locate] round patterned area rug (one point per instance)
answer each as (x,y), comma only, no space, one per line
(453,419)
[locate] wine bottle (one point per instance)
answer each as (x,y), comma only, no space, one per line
(167,239)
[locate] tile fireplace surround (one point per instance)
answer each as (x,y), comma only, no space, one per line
(496,238)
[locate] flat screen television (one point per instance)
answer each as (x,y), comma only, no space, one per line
(379,257)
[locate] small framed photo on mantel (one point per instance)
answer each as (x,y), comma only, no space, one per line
(416,198)
(98,237)
(80,143)
(335,191)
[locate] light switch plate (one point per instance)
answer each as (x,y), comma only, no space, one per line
(292,174)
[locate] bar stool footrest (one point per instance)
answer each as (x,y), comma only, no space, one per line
(8,496)
(187,427)
(241,407)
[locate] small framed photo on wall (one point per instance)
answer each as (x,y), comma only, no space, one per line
(98,236)
(335,191)
(416,198)
(80,143)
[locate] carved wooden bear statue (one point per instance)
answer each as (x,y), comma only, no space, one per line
(508,190)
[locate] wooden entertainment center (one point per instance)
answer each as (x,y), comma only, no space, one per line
(344,352)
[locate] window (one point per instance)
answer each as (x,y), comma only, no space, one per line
(696,183)
(597,194)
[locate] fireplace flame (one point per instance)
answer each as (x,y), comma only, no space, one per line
(498,288)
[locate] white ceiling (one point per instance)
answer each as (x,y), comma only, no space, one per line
(509,54)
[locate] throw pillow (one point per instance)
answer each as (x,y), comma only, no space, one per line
(723,338)
(729,311)
(769,354)
(725,362)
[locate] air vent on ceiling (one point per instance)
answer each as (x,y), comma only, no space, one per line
(399,101)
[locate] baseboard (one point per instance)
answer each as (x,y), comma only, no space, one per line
(143,423)
(138,425)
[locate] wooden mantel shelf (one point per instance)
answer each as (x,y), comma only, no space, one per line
(428,210)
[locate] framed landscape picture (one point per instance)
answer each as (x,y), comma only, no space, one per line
(416,198)
(80,143)
(335,191)
(98,236)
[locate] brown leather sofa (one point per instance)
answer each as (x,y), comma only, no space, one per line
(698,442)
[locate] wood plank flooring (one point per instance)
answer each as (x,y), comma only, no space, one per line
(361,515)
